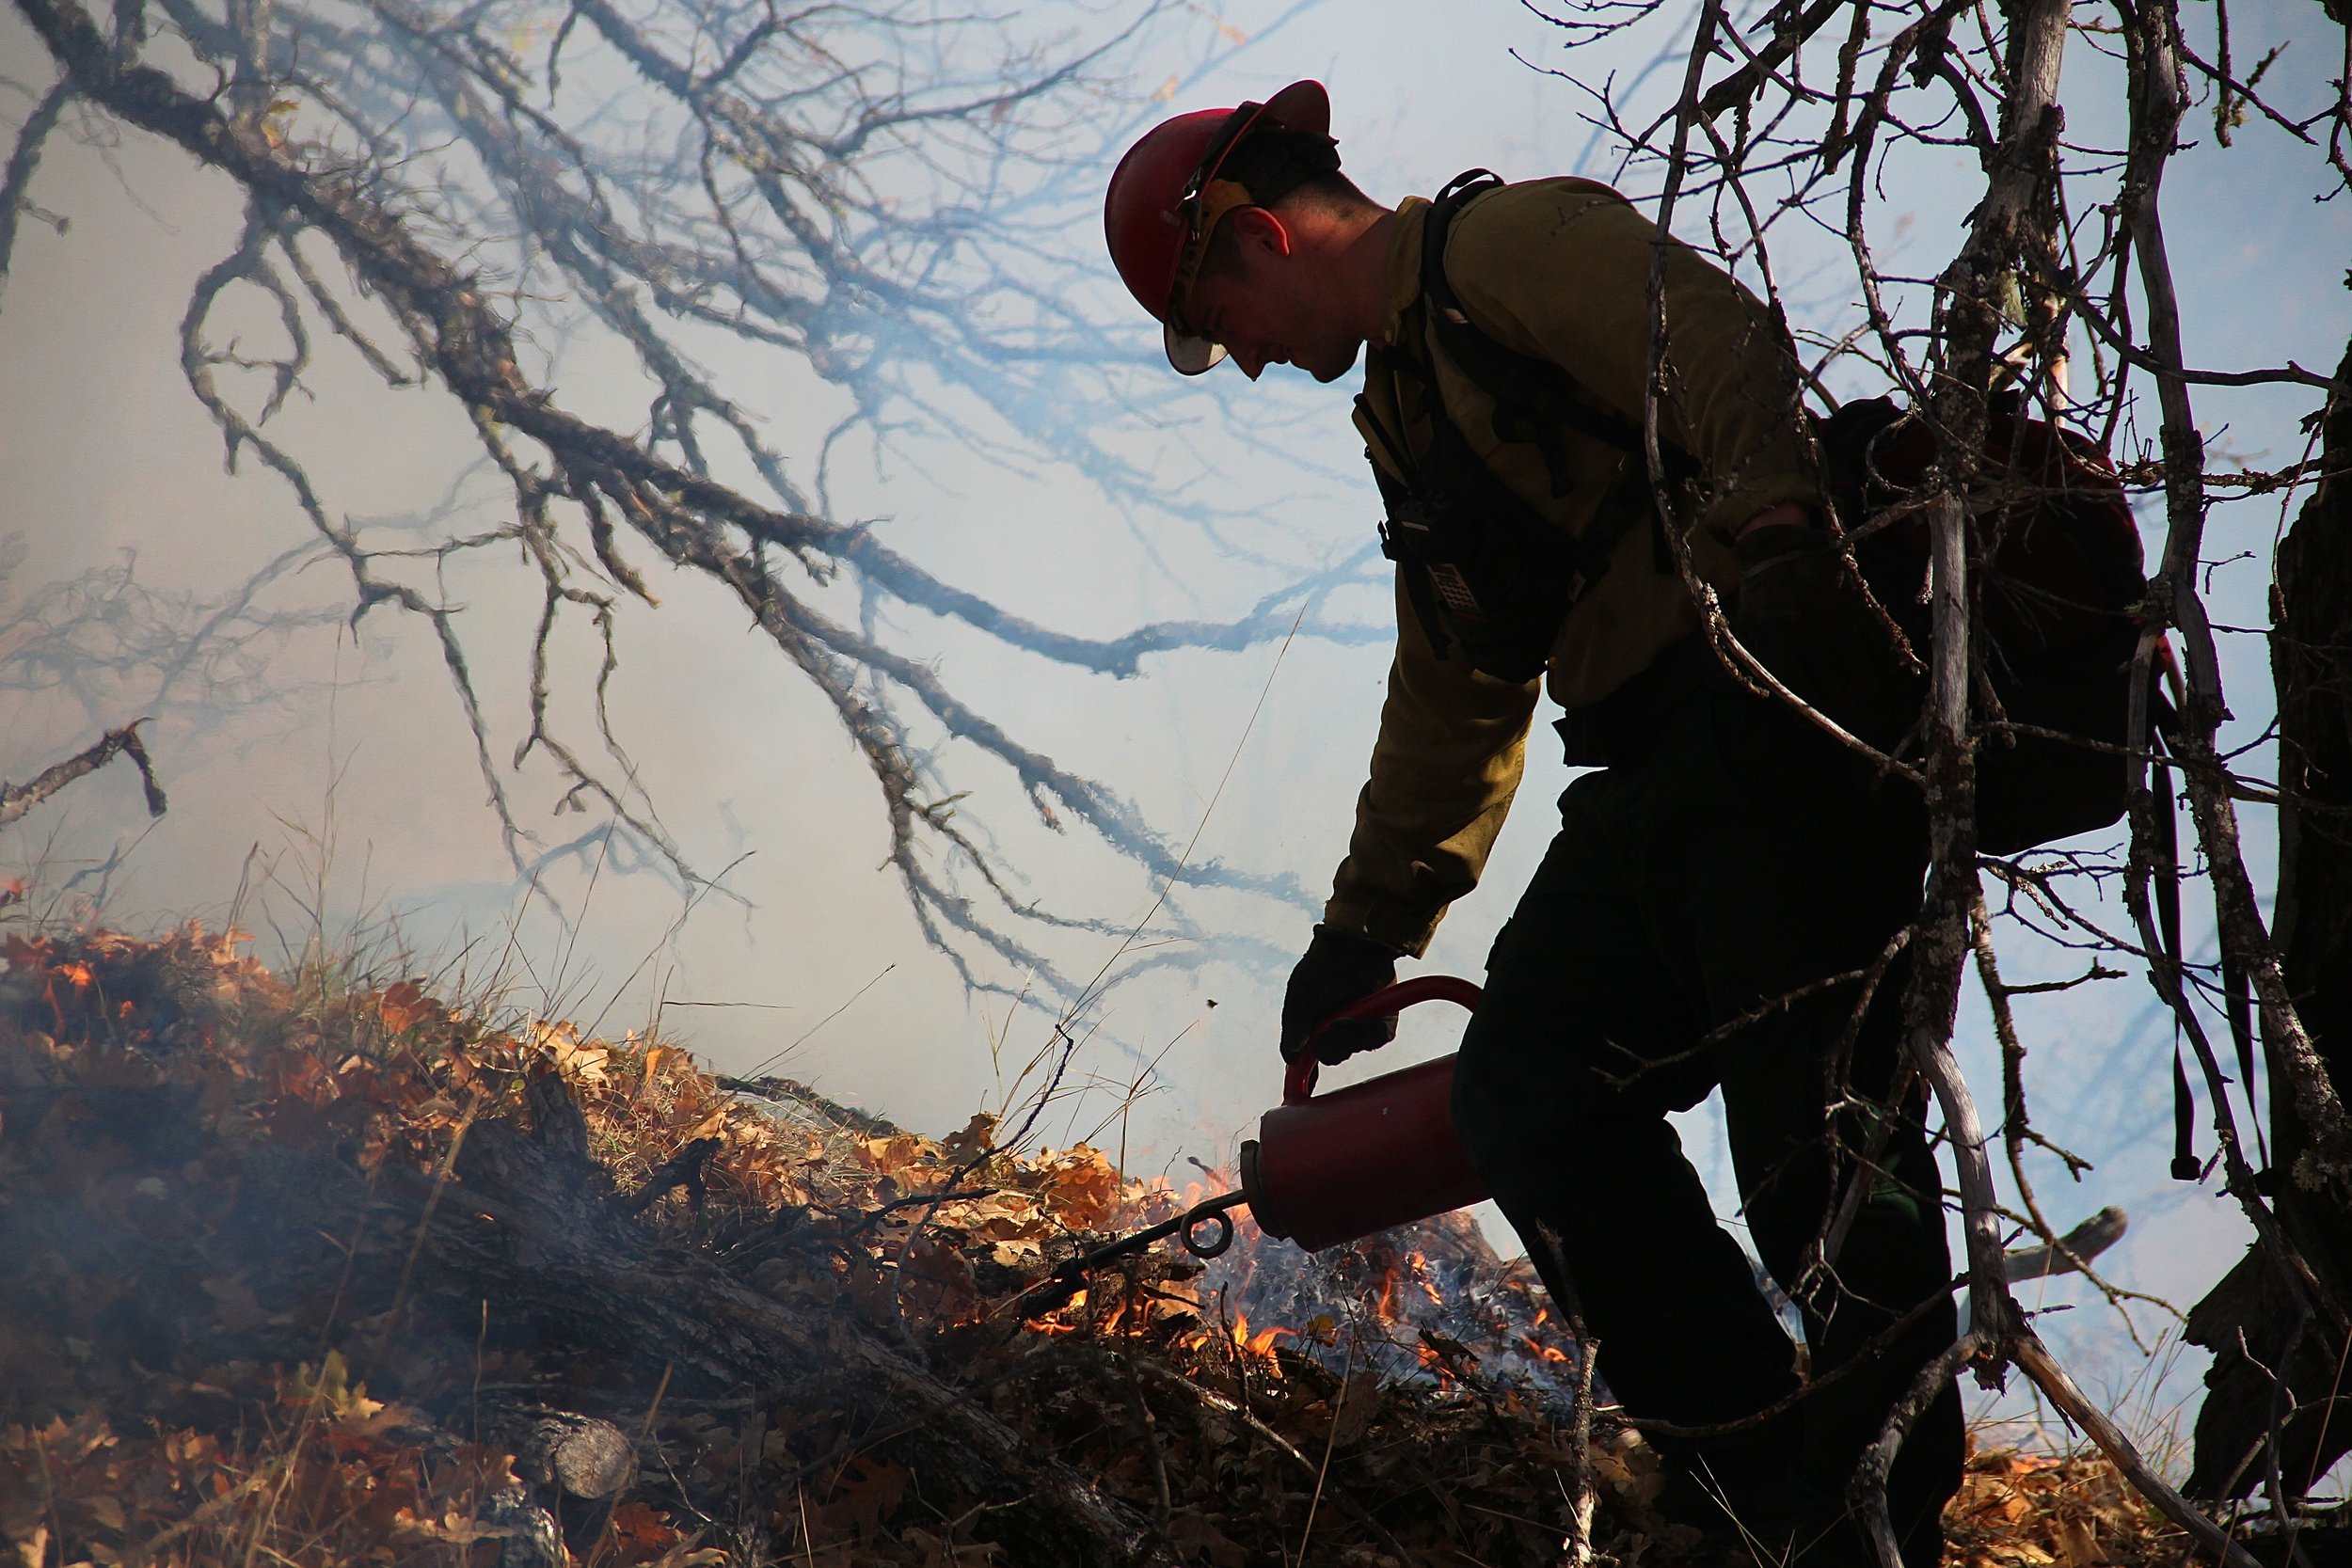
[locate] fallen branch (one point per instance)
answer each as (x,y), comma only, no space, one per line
(2035,1361)
(2075,1248)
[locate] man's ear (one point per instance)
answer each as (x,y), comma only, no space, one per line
(1256,226)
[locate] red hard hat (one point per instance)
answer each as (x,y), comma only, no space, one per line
(1165,201)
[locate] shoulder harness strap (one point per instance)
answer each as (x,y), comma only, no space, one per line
(1535,398)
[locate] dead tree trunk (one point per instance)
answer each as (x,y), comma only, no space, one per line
(2248,1320)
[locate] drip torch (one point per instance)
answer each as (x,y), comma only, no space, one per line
(1326,1169)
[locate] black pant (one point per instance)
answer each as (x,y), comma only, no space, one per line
(1739,855)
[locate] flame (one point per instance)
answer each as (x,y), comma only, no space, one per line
(1050,1324)
(1263,1343)
(1260,1344)
(1421,1278)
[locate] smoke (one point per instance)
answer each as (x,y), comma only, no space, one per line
(325,786)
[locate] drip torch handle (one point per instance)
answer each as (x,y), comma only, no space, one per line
(1298,1077)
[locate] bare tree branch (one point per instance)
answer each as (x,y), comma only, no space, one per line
(23,160)
(2064,256)
(16,799)
(798,247)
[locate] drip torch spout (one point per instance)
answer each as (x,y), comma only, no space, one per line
(1322,1170)
(1070,1277)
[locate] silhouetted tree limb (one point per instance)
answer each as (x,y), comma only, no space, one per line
(2259,1320)
(16,799)
(830,185)
(1815,114)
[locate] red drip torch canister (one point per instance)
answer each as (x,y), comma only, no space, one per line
(1332,1168)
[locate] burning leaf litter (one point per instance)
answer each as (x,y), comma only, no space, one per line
(321,1277)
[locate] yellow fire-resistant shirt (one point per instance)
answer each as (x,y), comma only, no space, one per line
(1558,269)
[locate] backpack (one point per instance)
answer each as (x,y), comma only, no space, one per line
(2059,580)
(2061,574)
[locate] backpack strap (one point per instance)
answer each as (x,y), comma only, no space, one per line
(2166,888)
(2164,723)
(2164,730)
(1487,569)
(1534,398)
(1522,381)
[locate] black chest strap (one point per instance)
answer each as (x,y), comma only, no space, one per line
(1535,400)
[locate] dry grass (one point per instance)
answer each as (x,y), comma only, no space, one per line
(164,1404)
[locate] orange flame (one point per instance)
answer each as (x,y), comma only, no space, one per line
(1260,1344)
(1421,1278)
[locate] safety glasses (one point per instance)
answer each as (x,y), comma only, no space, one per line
(1205,201)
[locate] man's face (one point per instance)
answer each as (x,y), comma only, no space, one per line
(1270,309)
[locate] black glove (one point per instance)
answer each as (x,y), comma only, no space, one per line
(1339,968)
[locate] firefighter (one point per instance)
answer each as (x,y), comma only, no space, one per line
(1719,906)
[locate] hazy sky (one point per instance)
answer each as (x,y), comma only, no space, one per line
(108,458)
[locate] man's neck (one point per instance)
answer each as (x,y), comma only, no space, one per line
(1361,271)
